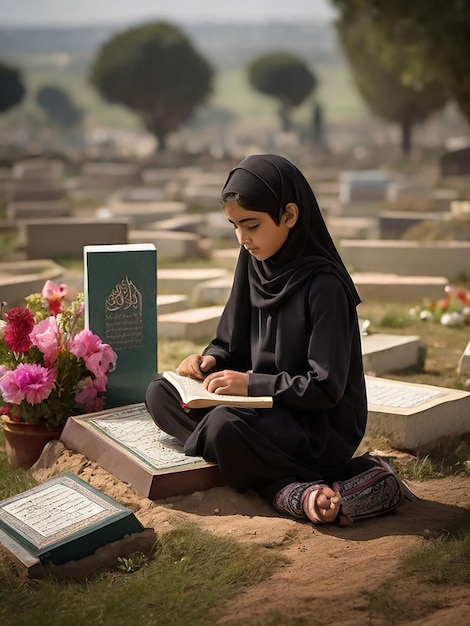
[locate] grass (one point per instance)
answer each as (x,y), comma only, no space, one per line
(191,574)
(444,559)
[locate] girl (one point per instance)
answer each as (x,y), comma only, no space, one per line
(289,330)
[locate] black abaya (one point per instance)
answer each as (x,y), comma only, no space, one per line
(291,321)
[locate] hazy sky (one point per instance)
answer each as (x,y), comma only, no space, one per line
(78,12)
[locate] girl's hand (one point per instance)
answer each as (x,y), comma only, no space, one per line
(227,382)
(195,365)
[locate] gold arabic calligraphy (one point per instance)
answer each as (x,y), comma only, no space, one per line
(125,295)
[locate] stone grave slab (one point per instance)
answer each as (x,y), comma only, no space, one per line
(415,417)
(66,237)
(408,191)
(395,224)
(20,278)
(171,245)
(170,303)
(204,198)
(217,225)
(398,288)
(161,176)
(183,280)
(455,162)
(214,291)
(126,442)
(25,210)
(109,174)
(38,169)
(464,361)
(61,520)
(408,258)
(352,227)
(226,257)
(384,353)
(195,324)
(136,195)
(24,190)
(363,185)
(442,198)
(460,209)
(192,223)
(141,213)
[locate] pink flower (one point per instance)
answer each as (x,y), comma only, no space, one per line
(87,396)
(45,337)
(99,357)
(54,294)
(3,370)
(30,382)
(20,323)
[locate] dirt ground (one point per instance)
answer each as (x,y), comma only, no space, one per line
(335,576)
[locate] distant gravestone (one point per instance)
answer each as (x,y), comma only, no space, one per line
(127,443)
(383,353)
(65,237)
(121,307)
(62,520)
(456,163)
(464,362)
(363,186)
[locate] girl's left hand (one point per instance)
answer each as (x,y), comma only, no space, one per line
(227,382)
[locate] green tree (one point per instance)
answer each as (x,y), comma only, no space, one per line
(285,77)
(58,106)
(12,90)
(436,35)
(154,71)
(383,86)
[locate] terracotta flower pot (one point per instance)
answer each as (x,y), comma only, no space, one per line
(25,442)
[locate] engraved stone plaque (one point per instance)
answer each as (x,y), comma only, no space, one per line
(126,442)
(120,283)
(415,417)
(62,520)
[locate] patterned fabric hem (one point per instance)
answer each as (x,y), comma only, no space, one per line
(288,500)
(376,491)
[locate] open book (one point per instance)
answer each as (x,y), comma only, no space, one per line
(195,396)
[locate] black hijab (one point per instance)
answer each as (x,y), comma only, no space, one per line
(270,182)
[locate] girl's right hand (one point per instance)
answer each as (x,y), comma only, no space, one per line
(196,366)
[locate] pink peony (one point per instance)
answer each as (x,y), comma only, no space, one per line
(45,337)
(29,382)
(87,396)
(20,322)
(54,294)
(99,357)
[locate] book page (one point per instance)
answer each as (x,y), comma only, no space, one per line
(190,388)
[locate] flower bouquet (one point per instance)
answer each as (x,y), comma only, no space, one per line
(50,366)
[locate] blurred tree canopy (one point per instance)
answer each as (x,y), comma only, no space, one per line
(58,106)
(436,35)
(285,77)
(382,86)
(155,72)
(12,90)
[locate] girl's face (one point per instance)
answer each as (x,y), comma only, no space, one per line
(257,232)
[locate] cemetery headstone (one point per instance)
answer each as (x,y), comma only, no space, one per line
(61,520)
(127,443)
(121,307)
(464,362)
(456,162)
(415,417)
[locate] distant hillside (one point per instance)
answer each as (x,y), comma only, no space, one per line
(224,45)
